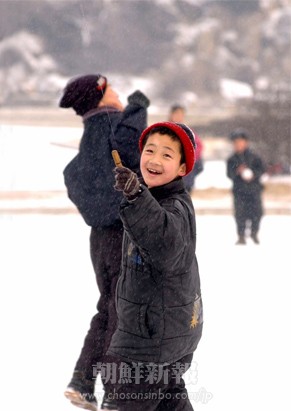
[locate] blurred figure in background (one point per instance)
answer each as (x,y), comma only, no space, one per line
(177,114)
(245,169)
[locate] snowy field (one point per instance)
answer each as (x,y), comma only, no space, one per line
(48,295)
(33,158)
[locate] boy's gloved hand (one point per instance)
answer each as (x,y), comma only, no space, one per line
(138,98)
(126,181)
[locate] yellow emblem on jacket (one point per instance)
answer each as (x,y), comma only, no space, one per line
(197,313)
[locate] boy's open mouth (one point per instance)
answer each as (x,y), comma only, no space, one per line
(152,171)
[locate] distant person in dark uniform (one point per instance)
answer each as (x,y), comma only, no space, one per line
(177,114)
(245,169)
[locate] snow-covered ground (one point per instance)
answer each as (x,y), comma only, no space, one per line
(48,294)
(33,158)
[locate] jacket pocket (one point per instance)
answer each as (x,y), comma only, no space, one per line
(132,318)
(178,320)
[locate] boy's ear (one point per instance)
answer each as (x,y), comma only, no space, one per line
(182,170)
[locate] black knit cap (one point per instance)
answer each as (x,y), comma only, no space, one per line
(84,93)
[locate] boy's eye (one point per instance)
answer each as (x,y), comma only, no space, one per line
(148,150)
(167,155)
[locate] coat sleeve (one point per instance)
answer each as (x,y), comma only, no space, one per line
(231,168)
(128,130)
(160,232)
(258,167)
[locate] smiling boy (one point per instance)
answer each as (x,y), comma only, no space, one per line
(158,293)
(161,161)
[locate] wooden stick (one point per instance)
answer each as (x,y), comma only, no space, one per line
(116,158)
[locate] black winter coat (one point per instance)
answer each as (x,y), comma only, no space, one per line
(89,177)
(158,295)
(252,161)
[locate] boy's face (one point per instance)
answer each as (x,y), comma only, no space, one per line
(160,160)
(111,98)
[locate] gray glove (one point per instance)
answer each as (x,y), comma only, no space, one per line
(126,181)
(138,98)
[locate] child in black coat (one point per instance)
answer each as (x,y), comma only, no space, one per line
(89,181)
(158,294)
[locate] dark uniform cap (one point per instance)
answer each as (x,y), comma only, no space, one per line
(239,133)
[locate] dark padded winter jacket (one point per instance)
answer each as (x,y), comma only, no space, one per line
(252,161)
(89,177)
(158,295)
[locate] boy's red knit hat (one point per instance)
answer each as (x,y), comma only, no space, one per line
(84,93)
(186,136)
